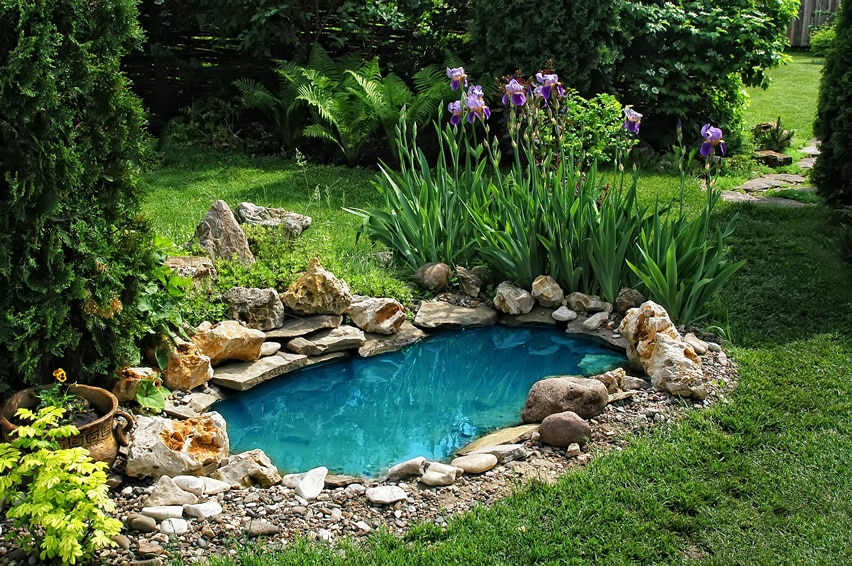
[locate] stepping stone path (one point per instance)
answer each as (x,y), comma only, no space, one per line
(754,190)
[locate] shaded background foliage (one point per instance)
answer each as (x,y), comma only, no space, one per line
(73,254)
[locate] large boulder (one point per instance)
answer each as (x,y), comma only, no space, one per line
(434,276)
(292,223)
(547,291)
(511,299)
(228,340)
(260,309)
(640,328)
(563,429)
(188,367)
(317,291)
(436,314)
(162,446)
(586,397)
(221,236)
(675,367)
(378,315)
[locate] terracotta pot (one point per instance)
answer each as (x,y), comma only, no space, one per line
(101,437)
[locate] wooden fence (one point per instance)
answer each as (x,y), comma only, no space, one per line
(812,13)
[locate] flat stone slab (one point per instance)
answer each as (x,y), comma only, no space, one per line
(382,343)
(810,150)
(503,436)
(245,375)
(610,336)
(322,358)
(734,196)
(435,314)
(789,178)
(807,162)
(295,327)
(539,315)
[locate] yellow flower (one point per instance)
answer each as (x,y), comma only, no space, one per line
(60,375)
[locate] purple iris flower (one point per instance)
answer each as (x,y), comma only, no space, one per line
(712,138)
(475,103)
(546,83)
(456,108)
(632,120)
(457,75)
(514,92)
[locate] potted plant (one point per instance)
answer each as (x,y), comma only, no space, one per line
(92,410)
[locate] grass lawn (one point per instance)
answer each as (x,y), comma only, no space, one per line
(763,479)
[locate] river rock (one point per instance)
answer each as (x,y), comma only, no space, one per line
(596,320)
(162,446)
(247,469)
(438,474)
(469,281)
(312,483)
(581,302)
(436,314)
(640,328)
(434,276)
(613,379)
(385,494)
(221,236)
(187,366)
(564,314)
(675,367)
(586,397)
(292,223)
(698,345)
(260,309)
(192,484)
(328,341)
(174,526)
(228,340)
(141,522)
(258,528)
(511,299)
(199,269)
(269,349)
(317,291)
(377,315)
(628,298)
(503,452)
(475,463)
(547,291)
(162,512)
(166,492)
(204,510)
(563,429)
(414,467)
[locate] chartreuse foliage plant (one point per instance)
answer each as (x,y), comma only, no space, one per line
(59,495)
(544,214)
(73,250)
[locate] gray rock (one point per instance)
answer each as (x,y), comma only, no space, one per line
(438,314)
(292,223)
(586,397)
(269,348)
(581,302)
(203,510)
(221,236)
(385,494)
(247,469)
(242,376)
(328,341)
(564,429)
(162,512)
(259,528)
(376,315)
(632,383)
(469,281)
(317,291)
(564,314)
(414,467)
(167,493)
(628,299)
(511,299)
(379,343)
(434,276)
(475,463)
(312,483)
(302,326)
(260,309)
(596,320)
(191,484)
(537,316)
(547,291)
(503,452)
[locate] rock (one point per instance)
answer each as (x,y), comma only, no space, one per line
(581,302)
(187,367)
(414,467)
(258,528)
(576,326)
(573,450)
(470,282)
(510,435)
(317,291)
(192,484)
(260,309)
(434,276)
(148,549)
(379,316)
(385,494)
(564,314)
(438,474)
(512,299)
(162,512)
(247,469)
(292,223)
(675,367)
(312,484)
(333,481)
(128,382)
(537,316)
(773,158)
(269,349)
(586,397)
(640,327)
(173,526)
(199,269)
(354,489)
(475,463)
(292,480)
(228,340)
(596,320)
(435,314)
(214,486)
(379,343)
(628,298)
(141,522)
(243,376)
(547,291)
(122,541)
(221,236)
(613,379)
(699,345)
(564,429)
(327,341)
(204,510)
(632,383)
(503,452)
(302,326)
(162,446)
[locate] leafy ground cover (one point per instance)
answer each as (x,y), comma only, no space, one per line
(760,479)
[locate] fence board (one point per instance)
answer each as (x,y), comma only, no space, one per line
(812,13)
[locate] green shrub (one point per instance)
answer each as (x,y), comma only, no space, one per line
(72,248)
(822,38)
(772,136)
(832,173)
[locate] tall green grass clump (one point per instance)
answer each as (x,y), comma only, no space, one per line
(544,213)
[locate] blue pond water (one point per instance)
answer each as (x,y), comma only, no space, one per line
(362,415)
